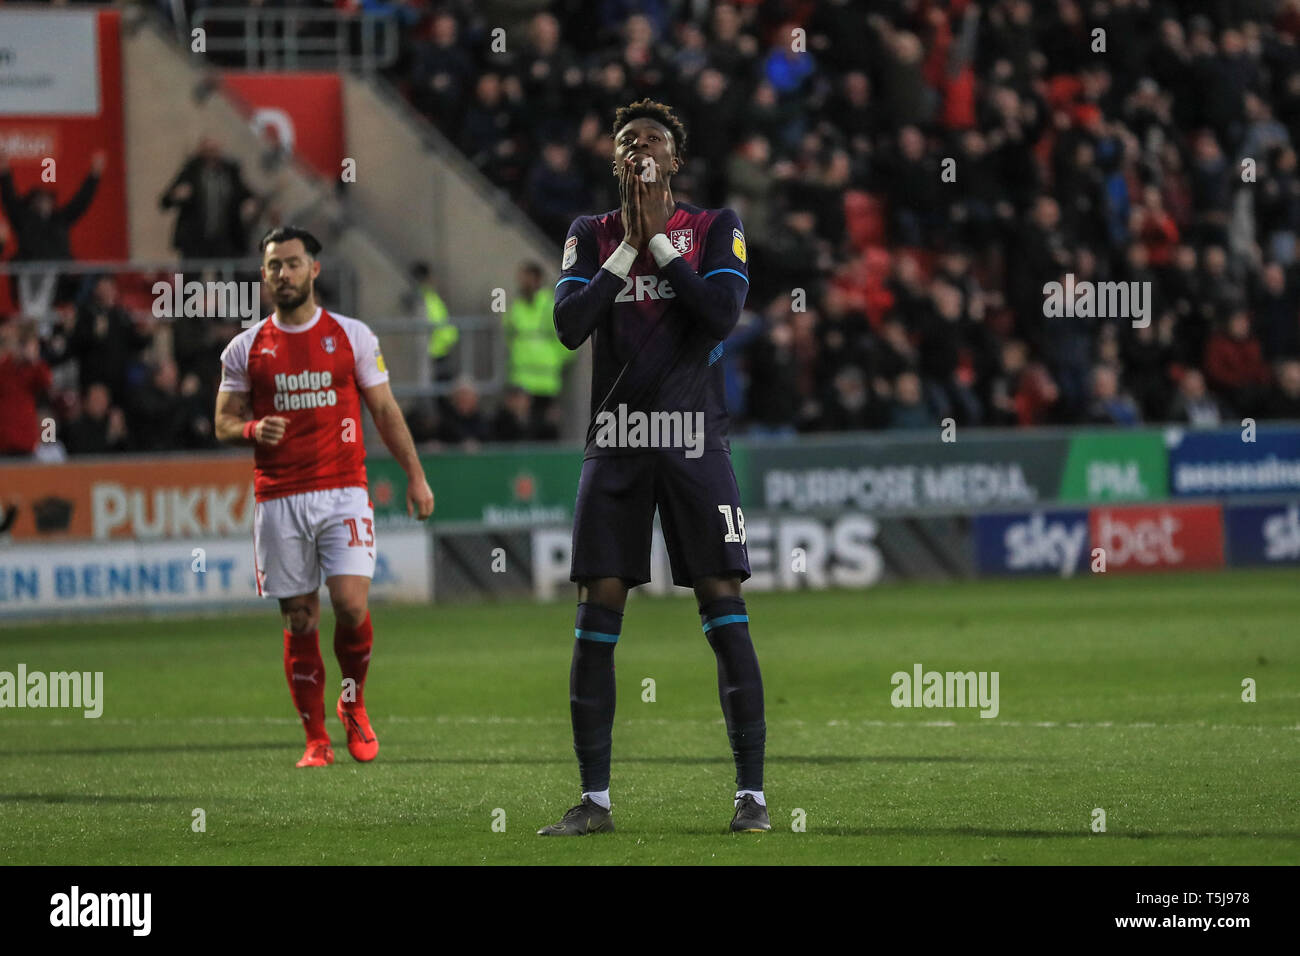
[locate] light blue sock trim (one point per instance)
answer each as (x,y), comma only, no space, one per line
(724,621)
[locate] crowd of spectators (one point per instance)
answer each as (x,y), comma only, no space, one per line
(910,174)
(107,376)
(85,367)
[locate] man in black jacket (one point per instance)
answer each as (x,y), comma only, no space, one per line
(41,228)
(107,339)
(214,205)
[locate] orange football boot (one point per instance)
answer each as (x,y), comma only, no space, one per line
(362,743)
(319,754)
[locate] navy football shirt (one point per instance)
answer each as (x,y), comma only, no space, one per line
(656,335)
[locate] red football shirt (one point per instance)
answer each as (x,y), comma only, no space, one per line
(312,375)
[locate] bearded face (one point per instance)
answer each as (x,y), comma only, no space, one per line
(289,296)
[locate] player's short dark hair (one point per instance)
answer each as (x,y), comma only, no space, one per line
(661,113)
(285,233)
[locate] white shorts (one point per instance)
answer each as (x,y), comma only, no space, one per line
(300,539)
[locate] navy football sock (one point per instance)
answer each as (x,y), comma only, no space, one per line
(591,692)
(740,686)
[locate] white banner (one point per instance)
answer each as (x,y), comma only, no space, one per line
(49,63)
(785,554)
(212,572)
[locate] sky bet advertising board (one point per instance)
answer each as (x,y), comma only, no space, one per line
(1263,534)
(1124,539)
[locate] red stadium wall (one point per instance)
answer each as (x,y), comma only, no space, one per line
(302,111)
(71,140)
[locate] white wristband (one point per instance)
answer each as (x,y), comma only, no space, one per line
(662,249)
(620,260)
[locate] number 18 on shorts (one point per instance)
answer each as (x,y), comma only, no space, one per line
(699,510)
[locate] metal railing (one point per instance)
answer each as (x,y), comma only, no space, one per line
(294,39)
(479,355)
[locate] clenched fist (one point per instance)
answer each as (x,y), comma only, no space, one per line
(270,430)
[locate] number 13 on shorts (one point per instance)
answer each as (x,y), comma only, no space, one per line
(735,529)
(355,540)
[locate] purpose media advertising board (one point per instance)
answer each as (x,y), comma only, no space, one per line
(896,475)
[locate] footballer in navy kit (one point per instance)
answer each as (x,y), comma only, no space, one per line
(657,285)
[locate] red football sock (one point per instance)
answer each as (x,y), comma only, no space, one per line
(305,672)
(352,648)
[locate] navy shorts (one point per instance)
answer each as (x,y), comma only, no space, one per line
(699,510)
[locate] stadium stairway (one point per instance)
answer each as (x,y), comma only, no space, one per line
(170,101)
(415,196)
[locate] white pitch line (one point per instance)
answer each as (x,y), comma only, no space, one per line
(1055,725)
(656,721)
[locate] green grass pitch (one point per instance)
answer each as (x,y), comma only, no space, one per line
(1115,693)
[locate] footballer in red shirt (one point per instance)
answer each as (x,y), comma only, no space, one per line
(292,387)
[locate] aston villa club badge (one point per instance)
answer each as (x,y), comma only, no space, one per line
(683,240)
(327,342)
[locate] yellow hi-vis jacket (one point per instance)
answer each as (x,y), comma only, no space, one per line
(444,334)
(537,358)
